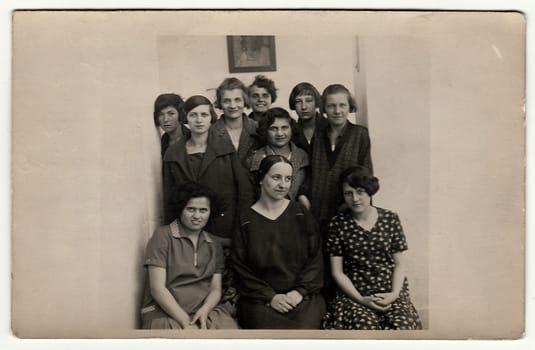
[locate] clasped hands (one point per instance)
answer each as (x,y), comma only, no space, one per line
(379,301)
(284,303)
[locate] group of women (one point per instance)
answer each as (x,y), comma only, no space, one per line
(269,222)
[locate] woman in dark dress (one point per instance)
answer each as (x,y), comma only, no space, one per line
(168,116)
(305,100)
(277,257)
(366,245)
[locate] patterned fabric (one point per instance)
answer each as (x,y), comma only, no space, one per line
(352,148)
(369,263)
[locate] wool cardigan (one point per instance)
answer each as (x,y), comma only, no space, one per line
(353,148)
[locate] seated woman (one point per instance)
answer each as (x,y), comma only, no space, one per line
(366,246)
(168,116)
(277,257)
(275,132)
(185,265)
(262,93)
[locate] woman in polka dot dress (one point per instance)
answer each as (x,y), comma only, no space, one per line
(366,246)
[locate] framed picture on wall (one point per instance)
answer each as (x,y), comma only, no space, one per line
(251,53)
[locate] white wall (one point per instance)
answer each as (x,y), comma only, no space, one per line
(86,164)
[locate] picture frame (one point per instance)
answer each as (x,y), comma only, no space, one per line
(251,53)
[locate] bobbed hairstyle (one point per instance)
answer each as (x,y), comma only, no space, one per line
(168,100)
(269,118)
(198,100)
(182,194)
(262,81)
(336,89)
(266,164)
(231,84)
(305,89)
(360,176)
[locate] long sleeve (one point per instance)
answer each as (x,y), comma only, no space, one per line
(311,277)
(243,182)
(248,284)
(169,187)
(365,157)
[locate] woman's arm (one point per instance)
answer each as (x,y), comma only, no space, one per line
(400,272)
(348,288)
(210,302)
(164,298)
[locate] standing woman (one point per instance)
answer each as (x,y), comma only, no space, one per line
(234,126)
(212,162)
(202,158)
(275,132)
(168,116)
(185,265)
(338,146)
(262,93)
(305,100)
(277,257)
(366,245)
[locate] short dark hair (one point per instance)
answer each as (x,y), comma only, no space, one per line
(262,81)
(360,176)
(198,100)
(182,194)
(336,89)
(269,118)
(231,84)
(168,100)
(266,164)
(305,89)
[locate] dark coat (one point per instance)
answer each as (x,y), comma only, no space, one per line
(220,171)
(249,140)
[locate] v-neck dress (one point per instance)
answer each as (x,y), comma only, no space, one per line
(275,257)
(368,261)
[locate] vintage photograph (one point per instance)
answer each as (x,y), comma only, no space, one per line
(338,184)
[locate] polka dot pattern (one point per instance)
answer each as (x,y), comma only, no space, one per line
(369,263)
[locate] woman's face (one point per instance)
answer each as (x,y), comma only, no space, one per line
(357,199)
(305,106)
(337,108)
(277,181)
(199,119)
(279,133)
(232,103)
(195,214)
(168,119)
(260,99)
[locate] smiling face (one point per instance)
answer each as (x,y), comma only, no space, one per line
(279,133)
(199,119)
(168,119)
(276,183)
(337,109)
(195,214)
(260,99)
(232,103)
(357,199)
(305,106)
